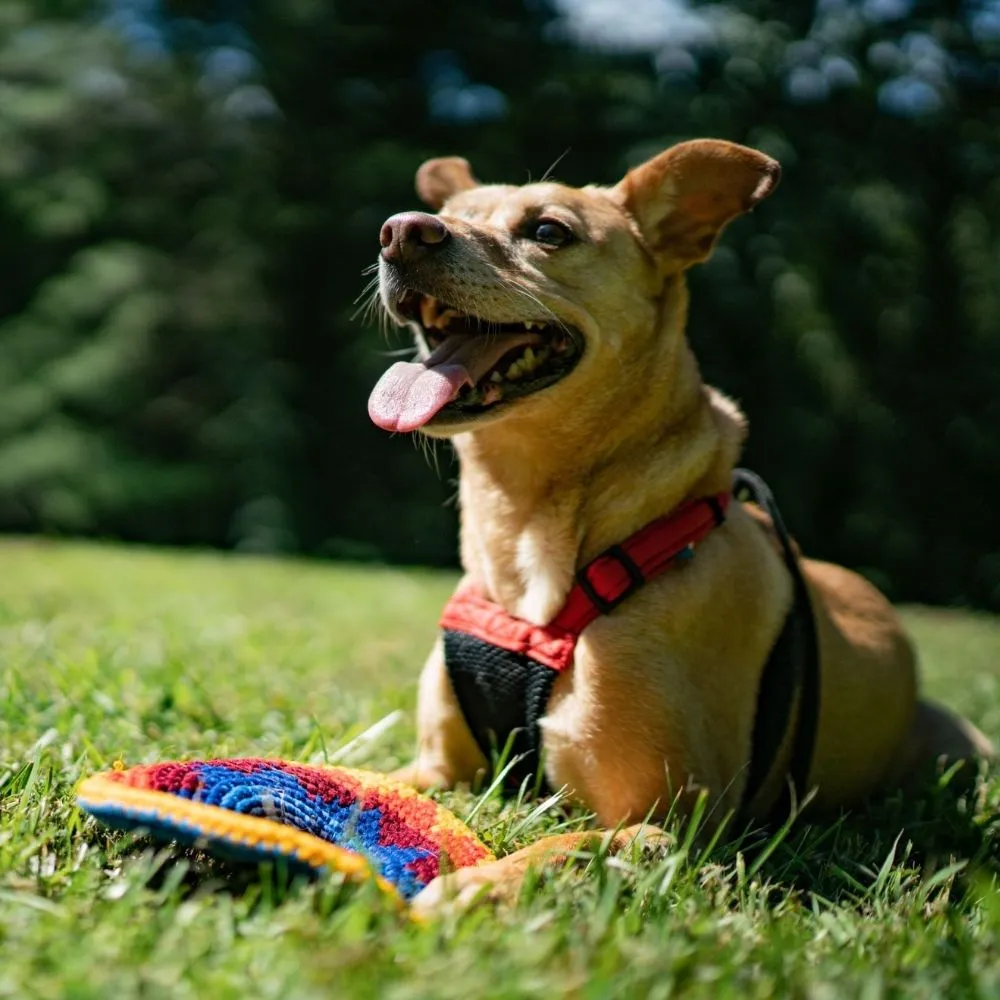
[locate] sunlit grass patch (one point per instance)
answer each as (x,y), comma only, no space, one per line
(109,654)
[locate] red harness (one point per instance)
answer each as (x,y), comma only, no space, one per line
(502,668)
(600,587)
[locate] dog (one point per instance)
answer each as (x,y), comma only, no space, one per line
(550,328)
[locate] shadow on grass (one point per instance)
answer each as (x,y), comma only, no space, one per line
(944,836)
(177,873)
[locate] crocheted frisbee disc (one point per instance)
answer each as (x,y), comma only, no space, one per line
(319,819)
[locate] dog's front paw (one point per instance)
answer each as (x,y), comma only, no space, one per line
(645,836)
(460,890)
(423,776)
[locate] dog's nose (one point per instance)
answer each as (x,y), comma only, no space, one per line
(411,235)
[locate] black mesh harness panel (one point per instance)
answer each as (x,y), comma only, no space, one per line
(503,696)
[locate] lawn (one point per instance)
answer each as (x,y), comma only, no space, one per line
(109,653)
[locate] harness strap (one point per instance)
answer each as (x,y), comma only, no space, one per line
(792,670)
(618,572)
(600,587)
(502,668)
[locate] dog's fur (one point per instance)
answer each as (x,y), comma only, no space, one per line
(660,702)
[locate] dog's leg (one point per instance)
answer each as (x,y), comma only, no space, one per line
(446,751)
(501,880)
(938,735)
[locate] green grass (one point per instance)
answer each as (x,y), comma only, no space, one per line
(108,653)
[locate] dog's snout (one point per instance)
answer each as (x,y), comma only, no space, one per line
(411,235)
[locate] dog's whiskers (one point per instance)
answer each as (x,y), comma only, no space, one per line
(368,301)
(515,286)
(402,352)
(428,448)
(366,292)
(555,163)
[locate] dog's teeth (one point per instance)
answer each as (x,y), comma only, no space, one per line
(446,317)
(428,310)
(513,371)
(529,362)
(496,377)
(532,325)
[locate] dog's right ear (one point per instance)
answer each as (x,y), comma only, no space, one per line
(683,198)
(438,180)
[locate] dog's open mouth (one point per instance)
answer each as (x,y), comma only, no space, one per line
(471,365)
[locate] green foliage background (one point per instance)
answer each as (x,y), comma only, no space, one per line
(190,190)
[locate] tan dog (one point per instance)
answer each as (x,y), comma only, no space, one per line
(572,445)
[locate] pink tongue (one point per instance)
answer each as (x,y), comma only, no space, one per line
(411,392)
(408,394)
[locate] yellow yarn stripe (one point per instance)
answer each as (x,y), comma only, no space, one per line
(250,831)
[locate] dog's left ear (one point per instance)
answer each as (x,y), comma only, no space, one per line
(438,180)
(683,198)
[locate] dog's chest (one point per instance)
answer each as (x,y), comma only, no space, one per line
(545,570)
(527,565)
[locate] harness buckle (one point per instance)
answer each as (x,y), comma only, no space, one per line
(603,604)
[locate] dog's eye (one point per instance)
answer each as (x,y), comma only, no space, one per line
(552,234)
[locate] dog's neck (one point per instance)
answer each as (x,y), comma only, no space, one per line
(538,505)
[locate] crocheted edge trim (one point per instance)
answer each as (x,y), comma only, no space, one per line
(252,832)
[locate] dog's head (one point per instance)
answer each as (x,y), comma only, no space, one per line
(523,299)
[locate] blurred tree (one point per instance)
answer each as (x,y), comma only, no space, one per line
(192,188)
(138,394)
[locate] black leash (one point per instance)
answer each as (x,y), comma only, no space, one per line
(791,669)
